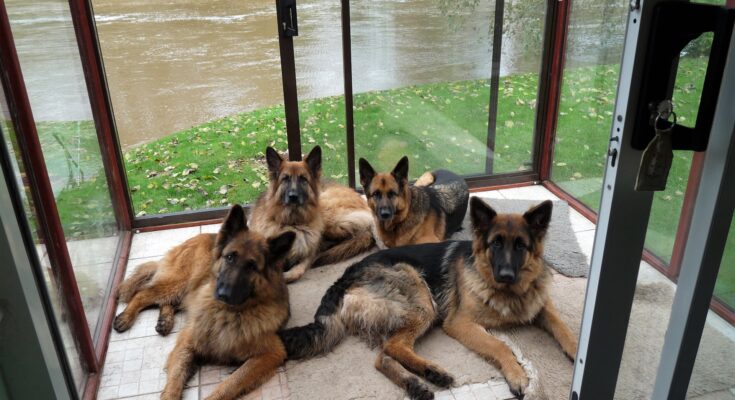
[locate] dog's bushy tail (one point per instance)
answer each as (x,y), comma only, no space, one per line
(361,241)
(348,234)
(142,275)
(327,330)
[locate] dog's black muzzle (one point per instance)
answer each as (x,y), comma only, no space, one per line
(505,274)
(232,291)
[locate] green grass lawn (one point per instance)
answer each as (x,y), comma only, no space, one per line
(437,125)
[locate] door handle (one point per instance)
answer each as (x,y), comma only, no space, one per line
(287,22)
(673,25)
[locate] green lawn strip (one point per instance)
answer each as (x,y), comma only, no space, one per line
(437,125)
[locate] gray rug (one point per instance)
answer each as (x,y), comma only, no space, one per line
(562,251)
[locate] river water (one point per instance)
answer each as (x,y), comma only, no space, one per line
(172,64)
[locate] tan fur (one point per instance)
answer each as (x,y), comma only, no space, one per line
(166,283)
(428,211)
(406,227)
(386,299)
(486,303)
(426,179)
(331,226)
(270,217)
(233,333)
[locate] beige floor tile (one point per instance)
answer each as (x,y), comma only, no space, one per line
(214,228)
(586,240)
(535,192)
(490,194)
(579,222)
(157,243)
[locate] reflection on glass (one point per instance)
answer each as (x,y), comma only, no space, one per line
(197,92)
(49,57)
(320,84)
(594,47)
(725,286)
(586,110)
(421,80)
(7,135)
(716,355)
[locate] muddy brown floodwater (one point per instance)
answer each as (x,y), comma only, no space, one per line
(173,64)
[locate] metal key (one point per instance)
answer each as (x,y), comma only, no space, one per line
(658,155)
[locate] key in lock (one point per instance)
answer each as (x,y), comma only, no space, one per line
(658,155)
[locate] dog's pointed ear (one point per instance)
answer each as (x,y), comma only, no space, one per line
(314,161)
(538,218)
(274,161)
(280,245)
(482,215)
(235,222)
(400,172)
(367,173)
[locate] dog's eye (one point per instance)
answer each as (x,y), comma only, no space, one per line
(284,178)
(497,242)
(302,179)
(375,194)
(230,257)
(520,245)
(392,194)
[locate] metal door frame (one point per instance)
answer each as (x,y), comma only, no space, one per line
(620,235)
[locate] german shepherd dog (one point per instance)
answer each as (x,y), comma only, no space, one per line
(427,212)
(331,222)
(236,312)
(169,282)
(394,296)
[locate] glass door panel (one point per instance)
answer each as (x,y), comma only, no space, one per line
(197,92)
(320,84)
(49,57)
(9,148)
(421,74)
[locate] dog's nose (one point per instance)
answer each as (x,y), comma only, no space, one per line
(506,276)
(292,197)
(385,214)
(223,294)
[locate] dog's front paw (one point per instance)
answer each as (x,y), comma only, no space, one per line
(438,377)
(122,323)
(517,381)
(571,351)
(416,390)
(164,326)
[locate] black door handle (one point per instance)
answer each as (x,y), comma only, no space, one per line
(673,25)
(287,23)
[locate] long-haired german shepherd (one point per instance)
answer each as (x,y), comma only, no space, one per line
(427,212)
(235,314)
(332,222)
(394,296)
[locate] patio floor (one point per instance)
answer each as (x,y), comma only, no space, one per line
(134,365)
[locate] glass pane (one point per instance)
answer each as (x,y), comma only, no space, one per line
(725,286)
(713,377)
(594,47)
(197,93)
(49,56)
(421,74)
(596,34)
(320,84)
(8,137)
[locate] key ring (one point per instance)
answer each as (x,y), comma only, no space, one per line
(659,117)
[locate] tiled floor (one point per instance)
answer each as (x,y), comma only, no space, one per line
(134,365)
